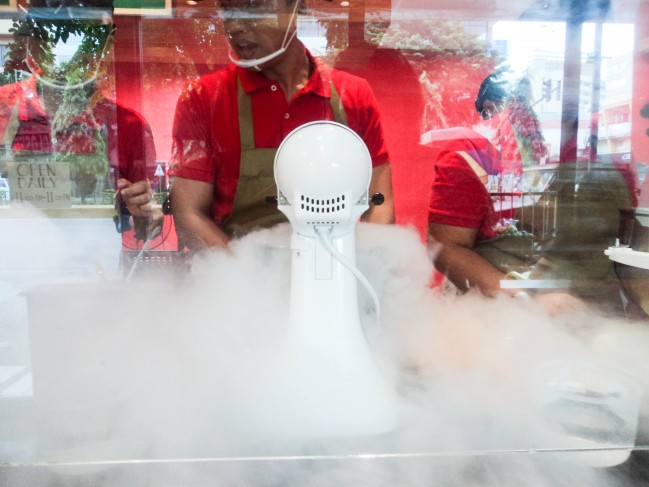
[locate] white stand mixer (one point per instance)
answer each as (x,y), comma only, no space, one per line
(323,170)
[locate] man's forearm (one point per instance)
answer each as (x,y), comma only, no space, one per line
(381,183)
(200,232)
(383,213)
(191,206)
(466,269)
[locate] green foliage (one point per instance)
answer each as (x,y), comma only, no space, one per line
(29,36)
(77,138)
(450,63)
(37,38)
(336,34)
(198,35)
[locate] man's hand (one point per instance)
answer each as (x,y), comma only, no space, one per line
(137,196)
(560,302)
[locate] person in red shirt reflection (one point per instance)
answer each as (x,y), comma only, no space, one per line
(462,221)
(229,124)
(67,113)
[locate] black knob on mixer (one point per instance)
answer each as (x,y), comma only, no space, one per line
(377,199)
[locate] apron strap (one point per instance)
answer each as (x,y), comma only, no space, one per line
(337,106)
(250,207)
(246,130)
(475,165)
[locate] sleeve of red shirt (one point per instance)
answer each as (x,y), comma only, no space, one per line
(458,197)
(191,139)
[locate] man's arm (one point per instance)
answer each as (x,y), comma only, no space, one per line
(381,182)
(137,196)
(192,211)
(456,259)
(466,269)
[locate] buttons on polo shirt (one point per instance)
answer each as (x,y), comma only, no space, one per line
(273,87)
(286,115)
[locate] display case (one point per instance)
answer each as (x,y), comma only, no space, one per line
(129,358)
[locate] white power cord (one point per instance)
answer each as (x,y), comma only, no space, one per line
(323,237)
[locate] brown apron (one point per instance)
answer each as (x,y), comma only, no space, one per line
(506,252)
(588,199)
(589,196)
(255,204)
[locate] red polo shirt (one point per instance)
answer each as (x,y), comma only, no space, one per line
(458,197)
(206,143)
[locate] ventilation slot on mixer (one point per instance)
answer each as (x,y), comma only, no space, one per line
(316,205)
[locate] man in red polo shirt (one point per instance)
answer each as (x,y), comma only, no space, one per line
(461,212)
(459,196)
(229,124)
(462,220)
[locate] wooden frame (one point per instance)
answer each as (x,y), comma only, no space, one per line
(8,5)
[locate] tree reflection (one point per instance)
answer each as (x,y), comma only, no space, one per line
(449,61)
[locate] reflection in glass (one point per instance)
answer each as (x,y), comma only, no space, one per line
(160,381)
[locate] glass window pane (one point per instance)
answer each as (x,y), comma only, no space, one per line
(277,242)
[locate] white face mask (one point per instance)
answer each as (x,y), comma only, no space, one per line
(485,130)
(257,63)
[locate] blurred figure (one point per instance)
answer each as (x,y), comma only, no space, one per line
(513,125)
(475,248)
(461,212)
(492,94)
(65,113)
(471,245)
(402,113)
(589,196)
(429,64)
